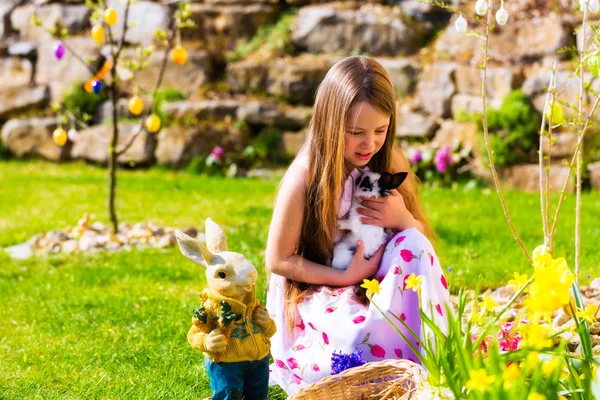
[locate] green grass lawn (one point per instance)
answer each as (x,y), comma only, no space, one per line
(114,325)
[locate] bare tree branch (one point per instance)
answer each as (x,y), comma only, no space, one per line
(486,136)
(163,67)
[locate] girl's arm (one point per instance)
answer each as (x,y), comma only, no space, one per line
(284,236)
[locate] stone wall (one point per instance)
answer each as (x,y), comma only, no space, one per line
(434,70)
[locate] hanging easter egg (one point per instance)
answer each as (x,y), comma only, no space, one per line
(73,135)
(461,24)
(481,7)
(558,115)
(179,55)
(98,34)
(110,16)
(96,86)
(136,105)
(60,136)
(594,65)
(59,50)
(153,123)
(502,16)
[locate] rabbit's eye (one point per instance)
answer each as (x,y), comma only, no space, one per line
(222,275)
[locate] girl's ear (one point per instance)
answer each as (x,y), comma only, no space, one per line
(392,181)
(194,249)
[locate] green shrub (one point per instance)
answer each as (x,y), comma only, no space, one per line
(83,104)
(513,130)
(166,95)
(270,40)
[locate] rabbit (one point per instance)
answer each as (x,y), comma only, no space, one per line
(368,184)
(231,328)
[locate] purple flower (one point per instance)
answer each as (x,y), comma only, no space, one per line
(341,362)
(441,166)
(416,157)
(217,153)
(443,158)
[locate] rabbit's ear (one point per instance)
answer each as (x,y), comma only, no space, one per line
(216,241)
(194,249)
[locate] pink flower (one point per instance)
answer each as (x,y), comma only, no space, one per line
(403,317)
(431,259)
(299,347)
(316,368)
(217,153)
(280,364)
(301,326)
(312,326)
(441,166)
(444,283)
(377,351)
(439,309)
(329,310)
(406,255)
(399,240)
(325,338)
(416,156)
(292,363)
(443,158)
(396,270)
(359,319)
(398,353)
(296,379)
(337,292)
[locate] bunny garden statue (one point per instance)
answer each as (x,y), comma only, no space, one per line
(231,328)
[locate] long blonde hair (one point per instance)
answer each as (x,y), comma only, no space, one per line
(349,82)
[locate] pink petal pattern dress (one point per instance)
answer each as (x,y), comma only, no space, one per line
(331,319)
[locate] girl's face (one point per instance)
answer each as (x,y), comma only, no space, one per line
(366,130)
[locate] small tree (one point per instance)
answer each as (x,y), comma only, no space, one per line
(103,73)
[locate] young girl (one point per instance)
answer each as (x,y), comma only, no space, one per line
(319,309)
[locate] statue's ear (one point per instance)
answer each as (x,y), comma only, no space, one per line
(194,249)
(392,181)
(216,240)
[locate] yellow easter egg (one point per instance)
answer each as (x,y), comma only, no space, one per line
(60,136)
(110,16)
(136,105)
(179,55)
(98,34)
(153,123)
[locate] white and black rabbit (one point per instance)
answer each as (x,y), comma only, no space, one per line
(368,184)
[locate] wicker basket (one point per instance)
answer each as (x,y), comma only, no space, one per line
(382,380)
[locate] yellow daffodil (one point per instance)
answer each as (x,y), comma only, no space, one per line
(536,396)
(414,282)
(532,359)
(549,367)
(372,287)
(475,316)
(589,314)
(510,375)
(519,281)
(479,380)
(551,288)
(536,336)
(541,256)
(488,304)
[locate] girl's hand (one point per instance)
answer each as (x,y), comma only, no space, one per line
(386,212)
(360,268)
